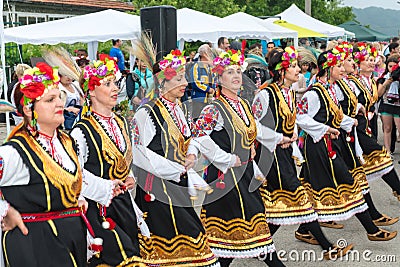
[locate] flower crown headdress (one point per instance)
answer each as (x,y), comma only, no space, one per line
(227,58)
(171,64)
(347,48)
(363,51)
(96,73)
(334,57)
(288,57)
(38,81)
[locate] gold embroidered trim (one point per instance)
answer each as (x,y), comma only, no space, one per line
(175,136)
(181,250)
(376,161)
(68,184)
(360,176)
(248,133)
(332,108)
(120,162)
(237,234)
(335,200)
(370,98)
(283,110)
(283,203)
(352,98)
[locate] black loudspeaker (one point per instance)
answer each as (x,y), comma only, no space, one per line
(161,22)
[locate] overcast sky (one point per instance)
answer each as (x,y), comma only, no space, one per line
(390,4)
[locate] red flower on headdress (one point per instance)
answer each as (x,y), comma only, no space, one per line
(33,90)
(177,52)
(93,81)
(395,67)
(218,69)
(103,57)
(169,73)
(285,64)
(43,67)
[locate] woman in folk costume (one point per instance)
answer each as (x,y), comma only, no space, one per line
(234,215)
(106,152)
(286,200)
(40,176)
(335,193)
(161,139)
(352,150)
(364,56)
(377,160)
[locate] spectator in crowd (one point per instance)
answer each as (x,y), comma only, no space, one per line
(82,53)
(270,47)
(201,78)
(19,72)
(116,52)
(223,43)
(72,96)
(144,88)
(394,48)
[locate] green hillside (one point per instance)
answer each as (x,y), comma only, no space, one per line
(383,20)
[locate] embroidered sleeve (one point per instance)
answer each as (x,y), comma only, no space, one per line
(257,108)
(260,104)
(302,106)
(206,122)
(135,132)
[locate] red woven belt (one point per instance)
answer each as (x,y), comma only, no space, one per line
(52,215)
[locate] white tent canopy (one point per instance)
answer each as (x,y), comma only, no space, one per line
(194,25)
(90,28)
(100,26)
(296,16)
(242,25)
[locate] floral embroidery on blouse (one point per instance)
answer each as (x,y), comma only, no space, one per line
(257,108)
(206,121)
(135,132)
(1,167)
(302,106)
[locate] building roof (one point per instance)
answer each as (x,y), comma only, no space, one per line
(112,4)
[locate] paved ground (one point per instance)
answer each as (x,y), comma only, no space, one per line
(366,253)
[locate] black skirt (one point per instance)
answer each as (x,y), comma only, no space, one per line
(285,199)
(335,194)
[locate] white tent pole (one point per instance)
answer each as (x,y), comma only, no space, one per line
(181,44)
(92,50)
(3,65)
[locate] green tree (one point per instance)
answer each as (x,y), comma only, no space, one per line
(220,8)
(328,11)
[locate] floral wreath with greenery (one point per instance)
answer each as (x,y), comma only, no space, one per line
(227,58)
(38,81)
(102,68)
(288,57)
(334,57)
(347,48)
(363,51)
(171,64)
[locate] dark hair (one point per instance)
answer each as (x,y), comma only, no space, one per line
(114,41)
(395,39)
(394,59)
(221,40)
(393,46)
(270,43)
(82,50)
(255,45)
(274,57)
(396,74)
(320,62)
(322,46)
